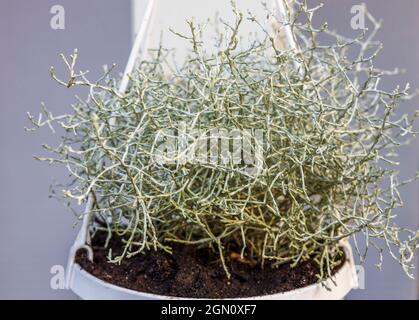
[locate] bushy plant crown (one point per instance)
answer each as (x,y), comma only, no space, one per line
(328,169)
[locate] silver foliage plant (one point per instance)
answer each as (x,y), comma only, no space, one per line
(329,167)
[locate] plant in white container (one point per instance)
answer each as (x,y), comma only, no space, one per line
(240,173)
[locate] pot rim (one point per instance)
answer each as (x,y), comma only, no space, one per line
(345,276)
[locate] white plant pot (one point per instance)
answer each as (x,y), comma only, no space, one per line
(88,287)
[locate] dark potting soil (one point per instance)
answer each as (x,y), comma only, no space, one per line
(195,273)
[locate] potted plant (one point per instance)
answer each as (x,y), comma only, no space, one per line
(241,173)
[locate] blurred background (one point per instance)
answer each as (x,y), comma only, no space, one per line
(36,232)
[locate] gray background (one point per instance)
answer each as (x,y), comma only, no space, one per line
(35,231)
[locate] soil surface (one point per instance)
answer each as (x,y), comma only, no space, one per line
(194,273)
